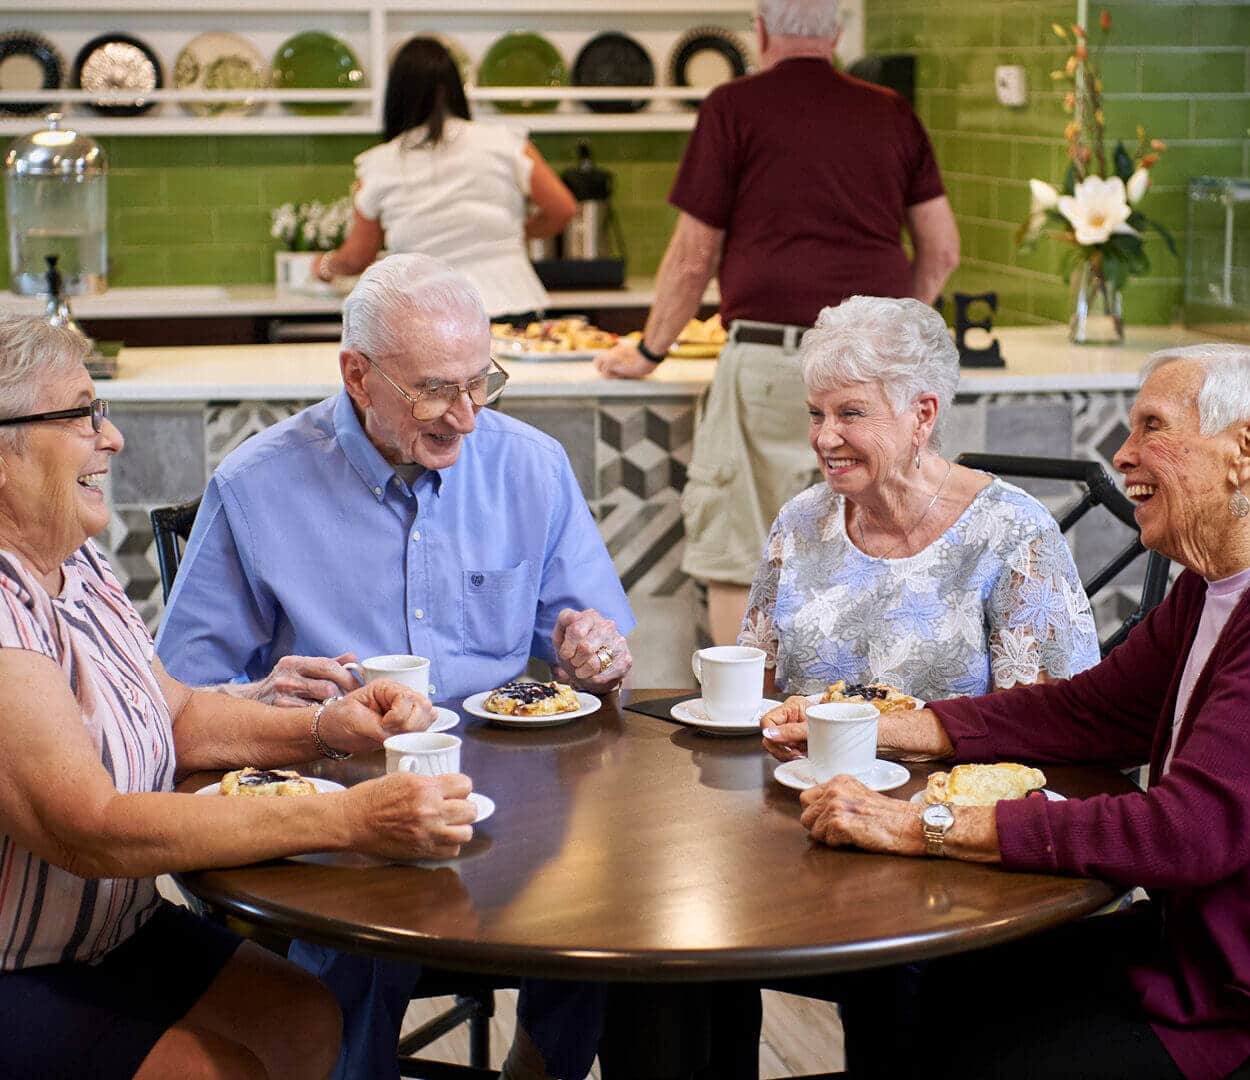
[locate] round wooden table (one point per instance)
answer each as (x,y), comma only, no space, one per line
(630,848)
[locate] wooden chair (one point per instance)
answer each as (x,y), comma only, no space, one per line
(475,998)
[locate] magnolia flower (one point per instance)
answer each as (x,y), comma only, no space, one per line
(1096,209)
(1044,197)
(1136,186)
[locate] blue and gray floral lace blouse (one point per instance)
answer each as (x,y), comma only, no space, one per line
(994,601)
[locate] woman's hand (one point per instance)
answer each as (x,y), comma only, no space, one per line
(785,729)
(297,680)
(845,812)
(404,816)
(372,713)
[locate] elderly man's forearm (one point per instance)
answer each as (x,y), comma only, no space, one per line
(914,735)
(929,273)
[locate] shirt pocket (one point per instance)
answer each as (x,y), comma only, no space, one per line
(499,608)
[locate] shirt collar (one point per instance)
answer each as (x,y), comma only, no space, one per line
(372,468)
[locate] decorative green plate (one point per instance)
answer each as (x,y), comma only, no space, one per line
(316,61)
(523,59)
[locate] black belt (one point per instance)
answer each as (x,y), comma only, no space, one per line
(767,335)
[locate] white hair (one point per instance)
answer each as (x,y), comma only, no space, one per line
(903,345)
(800,18)
(393,294)
(33,356)
(1224,397)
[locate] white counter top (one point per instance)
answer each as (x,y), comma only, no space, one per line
(1039,359)
(259,301)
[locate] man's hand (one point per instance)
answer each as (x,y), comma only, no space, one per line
(404,816)
(372,713)
(297,680)
(785,729)
(624,361)
(845,812)
(583,640)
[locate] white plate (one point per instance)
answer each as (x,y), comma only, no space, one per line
(1053,796)
(694,713)
(320,784)
(473,706)
(445,720)
(502,350)
(815,700)
(883,776)
(485,806)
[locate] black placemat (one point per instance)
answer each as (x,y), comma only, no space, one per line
(659,707)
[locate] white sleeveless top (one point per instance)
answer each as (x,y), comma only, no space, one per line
(463,201)
(93,633)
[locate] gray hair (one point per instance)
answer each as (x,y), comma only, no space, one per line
(393,294)
(903,345)
(1224,397)
(801,18)
(33,355)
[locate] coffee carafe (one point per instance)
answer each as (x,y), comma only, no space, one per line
(56,201)
(592,239)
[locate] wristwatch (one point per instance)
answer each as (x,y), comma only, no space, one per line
(937,821)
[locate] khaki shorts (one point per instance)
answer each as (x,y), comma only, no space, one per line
(750,456)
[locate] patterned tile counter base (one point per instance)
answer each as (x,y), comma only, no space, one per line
(630,457)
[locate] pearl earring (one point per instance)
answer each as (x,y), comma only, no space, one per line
(1238,505)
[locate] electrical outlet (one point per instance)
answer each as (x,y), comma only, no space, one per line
(1011,85)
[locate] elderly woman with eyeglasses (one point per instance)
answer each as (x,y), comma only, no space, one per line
(98,975)
(902,567)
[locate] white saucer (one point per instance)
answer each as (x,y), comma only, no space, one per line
(473,706)
(694,713)
(445,720)
(1053,796)
(320,784)
(883,776)
(485,806)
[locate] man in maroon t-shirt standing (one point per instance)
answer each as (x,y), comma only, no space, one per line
(795,189)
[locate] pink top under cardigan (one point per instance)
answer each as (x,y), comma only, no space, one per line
(1186,839)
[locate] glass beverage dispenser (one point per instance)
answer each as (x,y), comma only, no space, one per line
(55,187)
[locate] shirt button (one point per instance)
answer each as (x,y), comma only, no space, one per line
(417,535)
(377,491)
(433,690)
(419,613)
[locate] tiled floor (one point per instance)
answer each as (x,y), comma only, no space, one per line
(800,1036)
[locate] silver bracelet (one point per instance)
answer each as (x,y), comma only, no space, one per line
(324,749)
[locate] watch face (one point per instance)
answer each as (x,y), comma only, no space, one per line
(939,816)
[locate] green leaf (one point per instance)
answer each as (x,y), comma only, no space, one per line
(1114,267)
(1069,180)
(1123,163)
(1168,239)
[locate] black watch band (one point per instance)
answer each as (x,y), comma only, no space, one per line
(647,354)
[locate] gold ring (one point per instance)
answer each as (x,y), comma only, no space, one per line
(605,658)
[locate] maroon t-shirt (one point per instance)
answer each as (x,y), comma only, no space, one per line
(810,173)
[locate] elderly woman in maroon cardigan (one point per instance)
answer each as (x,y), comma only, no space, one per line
(1162,991)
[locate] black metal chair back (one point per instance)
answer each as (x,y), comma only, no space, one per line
(171,525)
(1100,490)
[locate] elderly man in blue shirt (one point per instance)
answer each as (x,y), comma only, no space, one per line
(398,516)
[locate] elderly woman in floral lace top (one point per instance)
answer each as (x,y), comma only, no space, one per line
(903,567)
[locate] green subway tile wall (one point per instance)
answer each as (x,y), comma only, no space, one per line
(194,211)
(1180,69)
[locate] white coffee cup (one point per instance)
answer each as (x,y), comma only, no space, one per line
(841,738)
(411,671)
(429,753)
(732,678)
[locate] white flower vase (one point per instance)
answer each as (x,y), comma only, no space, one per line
(295,272)
(1097,316)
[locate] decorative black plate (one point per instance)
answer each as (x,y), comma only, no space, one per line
(613,59)
(29,61)
(113,62)
(708,47)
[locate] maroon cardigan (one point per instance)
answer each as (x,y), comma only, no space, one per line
(1186,839)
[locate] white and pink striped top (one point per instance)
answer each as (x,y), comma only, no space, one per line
(92,631)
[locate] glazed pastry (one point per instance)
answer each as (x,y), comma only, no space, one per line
(983,785)
(532,699)
(265,783)
(885,698)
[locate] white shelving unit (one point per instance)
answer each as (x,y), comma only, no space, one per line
(373,29)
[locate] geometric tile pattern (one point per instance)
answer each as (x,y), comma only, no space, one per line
(229,424)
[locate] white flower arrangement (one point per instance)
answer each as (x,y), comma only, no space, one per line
(311,226)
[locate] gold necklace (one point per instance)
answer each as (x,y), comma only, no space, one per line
(915,524)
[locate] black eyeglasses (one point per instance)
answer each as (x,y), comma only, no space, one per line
(435,398)
(97,410)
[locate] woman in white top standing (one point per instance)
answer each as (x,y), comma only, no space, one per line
(444,185)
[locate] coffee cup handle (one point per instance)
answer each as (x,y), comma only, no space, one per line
(357,670)
(409,764)
(696,667)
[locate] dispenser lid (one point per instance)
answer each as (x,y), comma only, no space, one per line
(586,180)
(56,151)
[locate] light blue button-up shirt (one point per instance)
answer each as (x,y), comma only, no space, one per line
(308,543)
